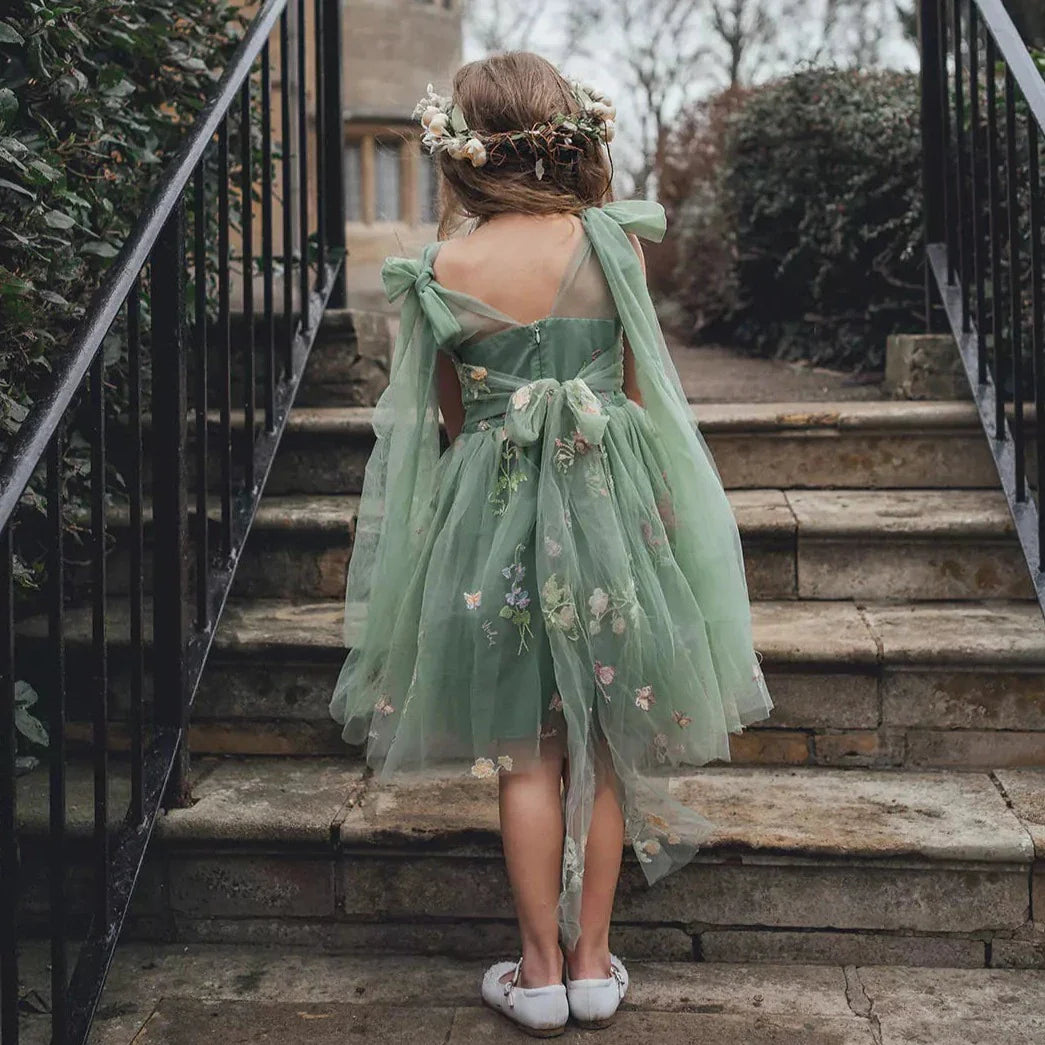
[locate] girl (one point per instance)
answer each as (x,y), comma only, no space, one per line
(559,597)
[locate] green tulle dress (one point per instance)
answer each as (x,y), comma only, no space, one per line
(569,567)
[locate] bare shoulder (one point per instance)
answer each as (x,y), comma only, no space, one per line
(637,245)
(457,261)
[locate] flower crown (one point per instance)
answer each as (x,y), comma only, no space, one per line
(445,129)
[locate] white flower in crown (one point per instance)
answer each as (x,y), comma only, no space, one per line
(437,124)
(457,148)
(475,151)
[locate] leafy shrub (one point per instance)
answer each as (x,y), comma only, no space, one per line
(803,240)
(93,95)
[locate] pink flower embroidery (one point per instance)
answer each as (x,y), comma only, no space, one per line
(644,698)
(605,673)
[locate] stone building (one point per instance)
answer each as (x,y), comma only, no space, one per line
(392,50)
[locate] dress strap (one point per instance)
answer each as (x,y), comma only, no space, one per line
(415,275)
(645,218)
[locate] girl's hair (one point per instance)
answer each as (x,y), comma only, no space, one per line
(510,92)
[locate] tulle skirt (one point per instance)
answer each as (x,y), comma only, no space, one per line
(547,606)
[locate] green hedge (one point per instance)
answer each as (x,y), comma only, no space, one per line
(93,95)
(811,214)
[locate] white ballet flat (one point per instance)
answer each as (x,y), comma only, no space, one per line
(540,1011)
(594,1003)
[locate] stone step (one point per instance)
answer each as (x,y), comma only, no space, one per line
(163,993)
(883,684)
(805,864)
(807,544)
(874,444)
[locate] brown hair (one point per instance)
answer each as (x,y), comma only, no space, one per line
(511,92)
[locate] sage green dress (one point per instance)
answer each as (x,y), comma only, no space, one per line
(568,568)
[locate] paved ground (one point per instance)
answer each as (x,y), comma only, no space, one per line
(718,374)
(188,994)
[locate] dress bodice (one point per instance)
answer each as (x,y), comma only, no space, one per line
(555,346)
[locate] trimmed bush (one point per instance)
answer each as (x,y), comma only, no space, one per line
(804,239)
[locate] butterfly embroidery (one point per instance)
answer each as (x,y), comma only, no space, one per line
(472,599)
(681,720)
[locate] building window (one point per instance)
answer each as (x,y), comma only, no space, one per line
(353,181)
(387,196)
(427,190)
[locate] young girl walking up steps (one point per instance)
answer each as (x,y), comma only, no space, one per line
(558,598)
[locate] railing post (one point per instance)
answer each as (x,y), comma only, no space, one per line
(169,493)
(333,138)
(933,161)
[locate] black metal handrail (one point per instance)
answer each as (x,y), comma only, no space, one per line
(983,231)
(173,334)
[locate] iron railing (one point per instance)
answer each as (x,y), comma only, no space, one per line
(983,127)
(172,453)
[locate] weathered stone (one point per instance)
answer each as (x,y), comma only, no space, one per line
(808,700)
(770,445)
(867,747)
(465,938)
(924,544)
(954,994)
(964,699)
(251,883)
(872,568)
(292,691)
(263,800)
(854,813)
(807,990)
(840,948)
(181,1021)
(924,366)
(952,635)
(987,1030)
(1025,789)
(808,633)
(349,362)
(771,747)
(833,896)
(974,749)
(478,1026)
(1018,954)
(416,885)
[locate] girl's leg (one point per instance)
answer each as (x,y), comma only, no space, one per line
(590,959)
(532,834)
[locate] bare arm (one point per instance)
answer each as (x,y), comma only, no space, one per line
(448,392)
(631,386)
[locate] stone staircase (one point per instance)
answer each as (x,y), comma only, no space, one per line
(892,809)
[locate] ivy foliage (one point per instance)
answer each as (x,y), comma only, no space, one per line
(93,96)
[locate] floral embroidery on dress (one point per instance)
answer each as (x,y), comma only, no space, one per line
(557,607)
(681,720)
(647,850)
(552,548)
(508,477)
(555,704)
(517,599)
(473,381)
(568,450)
(644,699)
(620,603)
(484,768)
(383,706)
(604,676)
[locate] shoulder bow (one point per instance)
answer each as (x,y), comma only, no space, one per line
(404,275)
